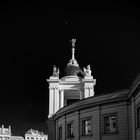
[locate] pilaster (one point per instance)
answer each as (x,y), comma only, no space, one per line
(89,84)
(56,103)
(51,101)
(53,95)
(61,98)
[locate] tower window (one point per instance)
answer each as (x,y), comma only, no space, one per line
(70,130)
(87,127)
(110,124)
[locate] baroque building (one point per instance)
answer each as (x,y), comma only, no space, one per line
(5,133)
(35,135)
(76,112)
(71,87)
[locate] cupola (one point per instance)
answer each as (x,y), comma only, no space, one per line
(76,85)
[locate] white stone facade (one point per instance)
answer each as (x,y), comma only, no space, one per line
(5,133)
(35,135)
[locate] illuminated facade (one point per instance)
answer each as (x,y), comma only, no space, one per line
(35,135)
(5,133)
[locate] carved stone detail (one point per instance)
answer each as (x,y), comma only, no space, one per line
(87,71)
(55,71)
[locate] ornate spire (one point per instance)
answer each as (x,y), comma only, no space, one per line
(73,49)
(73,60)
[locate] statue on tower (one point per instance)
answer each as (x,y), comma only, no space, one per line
(87,71)
(55,71)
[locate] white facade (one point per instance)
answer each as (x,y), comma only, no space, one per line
(5,133)
(71,86)
(35,135)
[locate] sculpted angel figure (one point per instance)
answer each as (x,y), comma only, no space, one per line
(87,71)
(55,71)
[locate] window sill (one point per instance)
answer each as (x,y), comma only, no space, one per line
(111,133)
(87,135)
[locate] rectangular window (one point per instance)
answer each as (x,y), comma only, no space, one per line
(70,130)
(138,117)
(110,123)
(86,127)
(60,133)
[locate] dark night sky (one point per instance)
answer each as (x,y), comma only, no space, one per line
(35,36)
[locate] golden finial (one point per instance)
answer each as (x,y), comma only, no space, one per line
(73,41)
(73,60)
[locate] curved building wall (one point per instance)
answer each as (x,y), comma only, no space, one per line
(114,116)
(136,115)
(95,112)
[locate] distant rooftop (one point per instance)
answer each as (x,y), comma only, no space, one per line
(34,132)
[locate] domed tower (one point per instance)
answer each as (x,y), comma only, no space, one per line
(72,68)
(76,85)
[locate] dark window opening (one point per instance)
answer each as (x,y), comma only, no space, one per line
(71,101)
(60,133)
(70,130)
(110,124)
(86,127)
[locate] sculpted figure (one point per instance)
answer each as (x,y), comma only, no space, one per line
(87,71)
(55,71)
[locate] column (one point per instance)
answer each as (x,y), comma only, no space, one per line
(51,102)
(91,91)
(61,98)
(56,99)
(86,92)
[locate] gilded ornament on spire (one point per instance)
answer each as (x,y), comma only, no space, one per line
(73,42)
(73,49)
(73,60)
